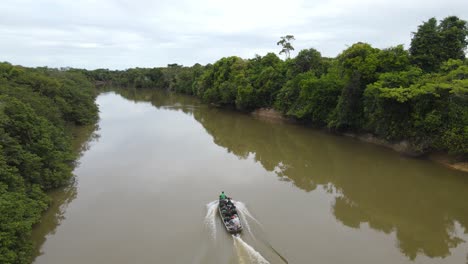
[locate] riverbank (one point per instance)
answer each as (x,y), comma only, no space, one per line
(449,161)
(271,115)
(403,147)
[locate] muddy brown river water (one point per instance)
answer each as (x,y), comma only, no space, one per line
(145,186)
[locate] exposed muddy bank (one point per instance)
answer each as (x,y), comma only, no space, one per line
(406,148)
(449,161)
(271,115)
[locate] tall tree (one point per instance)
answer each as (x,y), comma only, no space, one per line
(434,44)
(359,67)
(285,42)
(425,46)
(453,34)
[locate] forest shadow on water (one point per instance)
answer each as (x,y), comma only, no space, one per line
(83,137)
(418,204)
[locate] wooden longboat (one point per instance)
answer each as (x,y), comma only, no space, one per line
(229,227)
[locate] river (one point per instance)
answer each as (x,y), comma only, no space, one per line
(145,181)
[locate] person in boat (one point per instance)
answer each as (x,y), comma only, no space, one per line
(222,196)
(228,211)
(224,205)
(231,209)
(224,210)
(235,221)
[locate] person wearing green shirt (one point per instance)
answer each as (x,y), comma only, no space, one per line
(222,196)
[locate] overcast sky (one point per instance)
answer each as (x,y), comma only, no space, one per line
(119,34)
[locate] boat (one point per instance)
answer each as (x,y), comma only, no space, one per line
(226,216)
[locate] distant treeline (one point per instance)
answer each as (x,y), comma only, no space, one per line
(419,95)
(36,107)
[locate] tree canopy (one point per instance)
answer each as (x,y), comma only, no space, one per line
(36,107)
(435,43)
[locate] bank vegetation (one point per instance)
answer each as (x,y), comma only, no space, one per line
(37,109)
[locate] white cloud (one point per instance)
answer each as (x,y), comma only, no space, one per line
(145,33)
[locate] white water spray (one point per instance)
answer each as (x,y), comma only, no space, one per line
(246,253)
(243,212)
(210,218)
(241,207)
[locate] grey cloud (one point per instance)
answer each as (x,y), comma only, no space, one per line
(144,33)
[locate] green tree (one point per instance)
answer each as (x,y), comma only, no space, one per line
(359,66)
(309,60)
(393,59)
(265,78)
(317,99)
(453,34)
(219,83)
(434,44)
(429,110)
(425,46)
(156,76)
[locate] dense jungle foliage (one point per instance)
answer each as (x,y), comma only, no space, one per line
(418,95)
(36,107)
